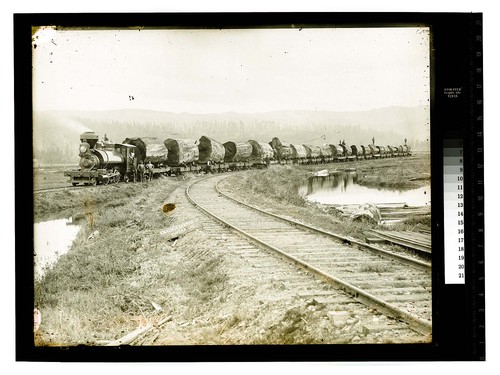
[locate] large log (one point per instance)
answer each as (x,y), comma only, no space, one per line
(149,149)
(181,151)
(374,150)
(313,151)
(326,151)
(356,150)
(261,151)
(347,150)
(210,150)
(237,151)
(337,150)
(283,150)
(298,152)
(367,150)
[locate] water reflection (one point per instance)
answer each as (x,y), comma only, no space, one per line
(52,239)
(342,188)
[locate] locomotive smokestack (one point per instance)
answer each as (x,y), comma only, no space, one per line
(90,137)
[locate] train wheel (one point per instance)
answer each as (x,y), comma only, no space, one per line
(74,183)
(93,182)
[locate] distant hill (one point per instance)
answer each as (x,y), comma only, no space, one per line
(56,133)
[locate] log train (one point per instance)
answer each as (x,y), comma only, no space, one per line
(103,162)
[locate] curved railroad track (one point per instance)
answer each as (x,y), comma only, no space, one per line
(396,287)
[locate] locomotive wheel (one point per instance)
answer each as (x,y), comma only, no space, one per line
(93,182)
(74,183)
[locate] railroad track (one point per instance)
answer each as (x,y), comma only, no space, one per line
(291,285)
(395,287)
(46,190)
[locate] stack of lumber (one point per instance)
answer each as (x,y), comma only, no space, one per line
(237,151)
(181,151)
(211,150)
(261,150)
(148,149)
(283,150)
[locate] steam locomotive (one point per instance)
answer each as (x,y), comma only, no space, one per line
(103,162)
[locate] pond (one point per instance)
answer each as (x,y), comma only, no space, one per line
(53,238)
(342,189)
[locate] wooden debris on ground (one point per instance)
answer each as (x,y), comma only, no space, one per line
(178,230)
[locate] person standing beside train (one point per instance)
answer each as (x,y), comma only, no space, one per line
(141,171)
(149,170)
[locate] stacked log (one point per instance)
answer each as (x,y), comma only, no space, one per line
(326,151)
(261,151)
(337,150)
(283,150)
(181,151)
(346,150)
(148,149)
(367,150)
(237,151)
(210,150)
(298,152)
(355,150)
(374,150)
(313,151)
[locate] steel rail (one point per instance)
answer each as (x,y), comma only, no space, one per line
(400,258)
(419,325)
(414,244)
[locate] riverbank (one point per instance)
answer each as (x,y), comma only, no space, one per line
(275,189)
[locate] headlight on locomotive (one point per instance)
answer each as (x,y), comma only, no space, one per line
(84,147)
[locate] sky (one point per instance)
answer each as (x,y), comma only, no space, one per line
(241,70)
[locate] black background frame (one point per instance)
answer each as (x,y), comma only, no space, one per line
(458,310)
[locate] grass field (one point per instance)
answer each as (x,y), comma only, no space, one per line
(108,285)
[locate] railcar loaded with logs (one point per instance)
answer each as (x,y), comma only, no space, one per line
(136,158)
